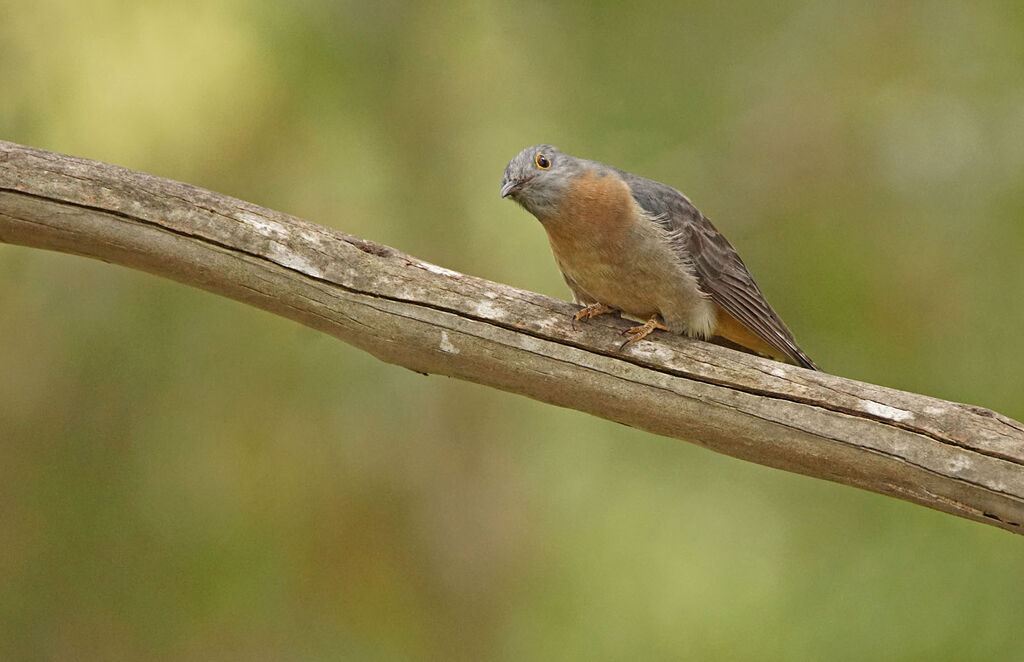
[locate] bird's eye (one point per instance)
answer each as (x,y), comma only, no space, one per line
(542,162)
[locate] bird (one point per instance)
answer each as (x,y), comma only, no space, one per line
(632,246)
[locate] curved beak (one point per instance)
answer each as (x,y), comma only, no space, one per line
(509,187)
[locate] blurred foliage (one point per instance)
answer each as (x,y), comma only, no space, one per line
(187,478)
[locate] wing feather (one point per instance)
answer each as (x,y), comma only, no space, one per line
(718,267)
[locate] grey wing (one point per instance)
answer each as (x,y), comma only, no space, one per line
(718,267)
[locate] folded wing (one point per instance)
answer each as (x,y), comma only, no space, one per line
(719,269)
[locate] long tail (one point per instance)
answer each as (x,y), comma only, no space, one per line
(736,332)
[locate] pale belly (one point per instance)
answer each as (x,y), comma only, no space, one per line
(632,288)
(651,282)
(605,244)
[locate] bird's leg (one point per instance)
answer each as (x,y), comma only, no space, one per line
(640,332)
(591,311)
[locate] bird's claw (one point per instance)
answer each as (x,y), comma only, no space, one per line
(590,312)
(636,333)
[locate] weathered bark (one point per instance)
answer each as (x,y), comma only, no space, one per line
(953,457)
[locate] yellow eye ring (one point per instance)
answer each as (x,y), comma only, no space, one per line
(542,161)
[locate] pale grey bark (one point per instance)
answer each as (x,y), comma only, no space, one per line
(952,457)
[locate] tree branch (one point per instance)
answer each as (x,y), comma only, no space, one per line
(952,457)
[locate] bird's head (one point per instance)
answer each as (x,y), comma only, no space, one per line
(537,178)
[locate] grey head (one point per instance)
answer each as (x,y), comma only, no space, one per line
(537,177)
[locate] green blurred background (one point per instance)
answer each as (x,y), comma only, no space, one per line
(186,478)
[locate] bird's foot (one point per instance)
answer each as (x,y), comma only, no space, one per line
(640,332)
(591,311)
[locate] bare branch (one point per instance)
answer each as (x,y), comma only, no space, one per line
(953,457)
